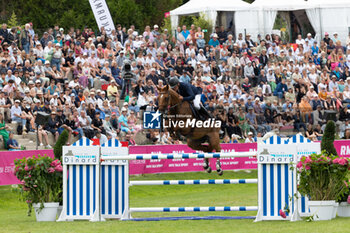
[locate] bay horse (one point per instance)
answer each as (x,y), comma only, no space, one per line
(174,109)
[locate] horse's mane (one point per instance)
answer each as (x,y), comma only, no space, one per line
(171,92)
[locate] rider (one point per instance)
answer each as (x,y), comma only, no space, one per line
(189,92)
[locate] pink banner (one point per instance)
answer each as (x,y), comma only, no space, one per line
(159,166)
(342,147)
(188,165)
(7,165)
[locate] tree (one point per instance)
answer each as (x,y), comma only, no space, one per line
(61,141)
(328,139)
(12,22)
(77,13)
(126,13)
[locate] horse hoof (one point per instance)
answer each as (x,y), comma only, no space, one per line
(220,172)
(207,167)
(218,168)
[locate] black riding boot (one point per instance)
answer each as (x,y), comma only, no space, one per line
(204,114)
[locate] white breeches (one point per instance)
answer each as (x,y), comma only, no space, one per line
(197,101)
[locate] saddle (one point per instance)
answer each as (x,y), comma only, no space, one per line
(201,114)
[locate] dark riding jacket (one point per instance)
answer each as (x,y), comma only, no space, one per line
(187,91)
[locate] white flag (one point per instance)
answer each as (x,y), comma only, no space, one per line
(102,15)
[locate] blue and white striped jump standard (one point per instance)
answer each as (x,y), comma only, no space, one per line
(96,180)
(194,182)
(181,156)
(194,209)
(114,182)
(81,176)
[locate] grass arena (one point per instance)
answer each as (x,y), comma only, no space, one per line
(14,218)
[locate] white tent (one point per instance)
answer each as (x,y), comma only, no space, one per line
(259,17)
(208,7)
(333,16)
(267,12)
(324,15)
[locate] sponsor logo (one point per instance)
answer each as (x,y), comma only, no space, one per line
(275,157)
(151,120)
(192,123)
(81,158)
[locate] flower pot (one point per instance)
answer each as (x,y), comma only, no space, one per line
(321,210)
(335,210)
(59,211)
(344,209)
(48,213)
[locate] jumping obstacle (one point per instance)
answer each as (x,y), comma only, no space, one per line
(181,156)
(107,193)
(187,182)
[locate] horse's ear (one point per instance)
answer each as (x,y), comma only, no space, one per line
(167,87)
(159,89)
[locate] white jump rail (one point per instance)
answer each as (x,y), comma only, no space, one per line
(194,182)
(194,209)
(181,156)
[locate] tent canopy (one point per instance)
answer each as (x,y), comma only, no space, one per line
(332,3)
(259,17)
(281,5)
(197,6)
(210,9)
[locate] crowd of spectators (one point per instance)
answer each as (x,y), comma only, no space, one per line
(253,85)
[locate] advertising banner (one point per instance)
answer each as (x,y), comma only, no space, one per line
(342,147)
(102,15)
(188,165)
(162,166)
(7,165)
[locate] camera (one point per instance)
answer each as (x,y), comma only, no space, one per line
(126,70)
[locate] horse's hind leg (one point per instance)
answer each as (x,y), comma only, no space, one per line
(214,142)
(197,145)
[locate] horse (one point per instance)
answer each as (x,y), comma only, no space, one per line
(175,110)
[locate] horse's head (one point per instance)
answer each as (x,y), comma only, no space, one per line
(166,98)
(163,98)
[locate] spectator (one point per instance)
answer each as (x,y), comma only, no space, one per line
(3,130)
(123,121)
(101,138)
(12,143)
(67,72)
(280,91)
(53,125)
(16,115)
(250,138)
(42,133)
(97,124)
(310,134)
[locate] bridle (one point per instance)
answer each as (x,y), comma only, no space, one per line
(169,108)
(167,100)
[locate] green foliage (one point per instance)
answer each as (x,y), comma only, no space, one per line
(185,20)
(76,13)
(125,12)
(167,25)
(12,22)
(61,141)
(202,22)
(153,10)
(323,177)
(41,179)
(328,139)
